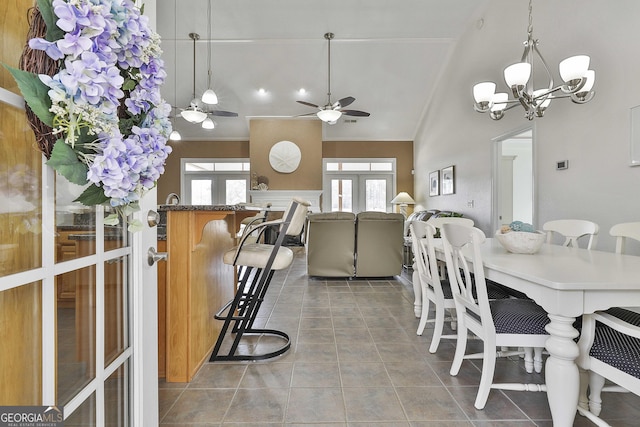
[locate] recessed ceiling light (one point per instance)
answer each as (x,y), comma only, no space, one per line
(302,91)
(262,91)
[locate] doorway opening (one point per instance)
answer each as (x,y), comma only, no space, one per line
(513,178)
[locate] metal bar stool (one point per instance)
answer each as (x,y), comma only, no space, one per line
(257,262)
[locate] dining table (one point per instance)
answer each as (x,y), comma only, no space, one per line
(567,282)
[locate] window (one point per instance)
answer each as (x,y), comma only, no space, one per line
(215,181)
(355,185)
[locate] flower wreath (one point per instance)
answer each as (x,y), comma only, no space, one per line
(101,102)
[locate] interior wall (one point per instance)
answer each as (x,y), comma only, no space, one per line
(309,173)
(306,134)
(599,184)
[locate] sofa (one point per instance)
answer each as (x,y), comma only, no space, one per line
(342,244)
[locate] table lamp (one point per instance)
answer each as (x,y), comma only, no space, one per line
(403,199)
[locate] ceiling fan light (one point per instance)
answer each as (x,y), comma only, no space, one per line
(175,136)
(209,97)
(208,124)
(329,115)
(193,114)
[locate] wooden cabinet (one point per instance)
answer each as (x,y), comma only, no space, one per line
(198,283)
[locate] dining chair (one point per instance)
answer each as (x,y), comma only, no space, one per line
(432,288)
(606,350)
(498,323)
(624,231)
(256,263)
(609,348)
(572,230)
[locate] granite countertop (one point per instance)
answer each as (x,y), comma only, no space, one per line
(76,227)
(201,208)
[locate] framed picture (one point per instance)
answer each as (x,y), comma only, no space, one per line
(448,184)
(434,183)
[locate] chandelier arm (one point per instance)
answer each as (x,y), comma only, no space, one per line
(544,64)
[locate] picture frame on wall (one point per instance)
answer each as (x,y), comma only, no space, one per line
(447,178)
(434,183)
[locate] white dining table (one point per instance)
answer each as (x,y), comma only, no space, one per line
(567,282)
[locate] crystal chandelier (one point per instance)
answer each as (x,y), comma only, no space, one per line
(578,83)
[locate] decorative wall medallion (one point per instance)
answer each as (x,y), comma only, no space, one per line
(285,157)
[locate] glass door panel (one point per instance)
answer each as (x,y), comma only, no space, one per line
(235,191)
(342,195)
(76,337)
(201,191)
(375,194)
(21,337)
(115,322)
(116,397)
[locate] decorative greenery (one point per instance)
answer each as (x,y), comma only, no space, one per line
(104,103)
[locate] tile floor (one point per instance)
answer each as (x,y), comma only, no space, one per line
(356,360)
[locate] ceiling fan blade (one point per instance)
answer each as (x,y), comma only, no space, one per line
(308,104)
(355,113)
(304,115)
(344,102)
(221,113)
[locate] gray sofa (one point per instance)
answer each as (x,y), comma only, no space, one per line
(341,244)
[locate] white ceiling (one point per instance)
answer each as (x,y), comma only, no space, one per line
(388,54)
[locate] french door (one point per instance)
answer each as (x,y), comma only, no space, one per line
(78,310)
(359,192)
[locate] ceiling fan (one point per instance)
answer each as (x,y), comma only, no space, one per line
(195,112)
(331,112)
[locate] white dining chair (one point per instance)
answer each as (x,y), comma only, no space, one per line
(624,231)
(498,323)
(610,343)
(609,348)
(432,288)
(572,230)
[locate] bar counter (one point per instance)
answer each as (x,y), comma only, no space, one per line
(195,284)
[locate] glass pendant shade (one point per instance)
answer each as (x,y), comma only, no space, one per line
(329,115)
(591,79)
(499,101)
(574,68)
(193,114)
(483,92)
(517,74)
(209,97)
(175,136)
(208,124)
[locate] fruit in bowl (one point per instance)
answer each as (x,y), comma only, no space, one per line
(520,242)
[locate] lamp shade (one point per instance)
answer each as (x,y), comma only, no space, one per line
(175,136)
(403,198)
(193,114)
(517,74)
(329,115)
(574,68)
(591,79)
(499,101)
(483,92)
(208,124)
(209,97)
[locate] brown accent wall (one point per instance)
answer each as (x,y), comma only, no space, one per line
(306,134)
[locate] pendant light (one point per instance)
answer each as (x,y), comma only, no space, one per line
(209,96)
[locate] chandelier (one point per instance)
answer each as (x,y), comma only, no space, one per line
(578,82)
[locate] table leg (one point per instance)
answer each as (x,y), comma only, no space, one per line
(561,372)
(417,292)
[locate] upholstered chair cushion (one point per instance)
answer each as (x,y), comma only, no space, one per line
(518,316)
(615,348)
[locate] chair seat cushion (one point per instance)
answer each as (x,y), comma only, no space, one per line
(257,255)
(615,348)
(518,316)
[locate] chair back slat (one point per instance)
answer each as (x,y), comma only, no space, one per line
(459,241)
(572,230)
(624,231)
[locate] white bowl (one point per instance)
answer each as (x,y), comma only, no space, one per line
(521,242)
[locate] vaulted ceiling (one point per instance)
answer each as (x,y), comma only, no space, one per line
(387,54)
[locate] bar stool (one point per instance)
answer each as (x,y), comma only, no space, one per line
(256,263)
